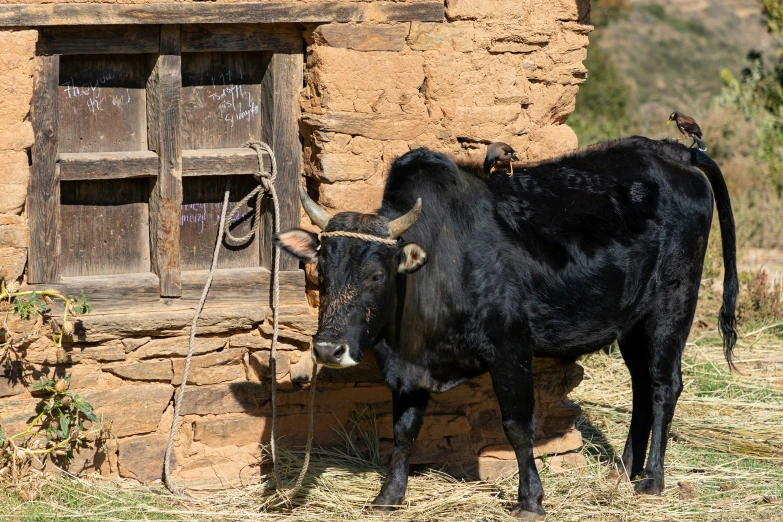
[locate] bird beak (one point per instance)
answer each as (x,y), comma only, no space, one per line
(668,122)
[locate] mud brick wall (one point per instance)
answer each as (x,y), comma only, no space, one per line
(493,70)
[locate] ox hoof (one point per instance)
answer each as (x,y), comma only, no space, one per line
(384,504)
(649,486)
(528,516)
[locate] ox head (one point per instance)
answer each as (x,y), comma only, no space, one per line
(357,276)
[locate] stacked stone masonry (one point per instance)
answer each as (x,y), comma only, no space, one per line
(503,70)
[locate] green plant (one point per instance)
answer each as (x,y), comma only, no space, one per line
(63,422)
(31,304)
(773,15)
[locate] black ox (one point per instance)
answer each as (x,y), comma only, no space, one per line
(558,260)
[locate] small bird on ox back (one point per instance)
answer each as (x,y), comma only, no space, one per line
(689,128)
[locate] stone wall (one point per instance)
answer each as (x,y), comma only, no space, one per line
(495,70)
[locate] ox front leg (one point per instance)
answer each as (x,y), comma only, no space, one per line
(408,416)
(512,379)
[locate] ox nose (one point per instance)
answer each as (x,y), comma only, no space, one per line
(332,354)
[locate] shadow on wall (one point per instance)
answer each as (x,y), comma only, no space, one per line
(462,432)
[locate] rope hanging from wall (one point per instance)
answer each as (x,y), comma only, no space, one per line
(265,183)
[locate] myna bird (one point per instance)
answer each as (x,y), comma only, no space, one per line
(689,128)
(498,155)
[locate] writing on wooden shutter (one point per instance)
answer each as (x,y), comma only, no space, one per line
(101,106)
(222,94)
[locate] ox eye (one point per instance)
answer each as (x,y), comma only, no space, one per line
(377,277)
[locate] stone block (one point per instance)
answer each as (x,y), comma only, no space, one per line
(457,81)
(10,384)
(439,426)
(237,397)
(374,82)
(17,413)
(15,235)
(213,368)
(252,340)
(498,461)
(16,136)
(178,347)
(378,127)
(131,344)
(561,463)
(259,365)
(503,36)
(356,197)
(44,352)
(102,353)
(346,167)
(141,458)
(12,262)
(231,431)
(439,36)
(219,468)
(143,371)
(132,410)
(302,370)
(363,37)
(18,48)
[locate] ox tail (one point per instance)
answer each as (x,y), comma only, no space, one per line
(727,319)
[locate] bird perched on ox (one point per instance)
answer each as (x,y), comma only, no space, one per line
(689,128)
(500,156)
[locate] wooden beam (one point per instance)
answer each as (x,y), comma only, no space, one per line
(101,39)
(108,165)
(243,287)
(282,83)
(163,121)
(222,162)
(43,198)
(21,15)
(238,37)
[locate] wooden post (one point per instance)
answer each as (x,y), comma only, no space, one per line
(282,83)
(163,124)
(43,200)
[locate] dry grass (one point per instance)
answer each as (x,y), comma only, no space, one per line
(725,462)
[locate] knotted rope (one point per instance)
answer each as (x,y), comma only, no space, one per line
(266,182)
(357,235)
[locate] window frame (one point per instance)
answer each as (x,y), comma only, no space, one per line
(283,48)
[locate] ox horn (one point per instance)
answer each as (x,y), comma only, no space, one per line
(317,215)
(400,225)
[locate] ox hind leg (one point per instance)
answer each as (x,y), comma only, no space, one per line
(660,383)
(636,354)
(512,378)
(408,412)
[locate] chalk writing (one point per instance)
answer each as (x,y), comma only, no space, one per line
(93,96)
(233,102)
(203,215)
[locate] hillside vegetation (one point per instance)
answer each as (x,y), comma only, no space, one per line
(720,62)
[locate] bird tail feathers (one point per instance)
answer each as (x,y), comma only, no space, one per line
(700,143)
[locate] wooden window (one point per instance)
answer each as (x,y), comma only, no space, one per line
(137,130)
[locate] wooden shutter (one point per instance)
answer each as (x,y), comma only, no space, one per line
(137,129)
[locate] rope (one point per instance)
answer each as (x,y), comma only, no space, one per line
(199,308)
(267,184)
(357,235)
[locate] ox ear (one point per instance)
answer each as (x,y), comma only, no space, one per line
(299,243)
(412,257)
